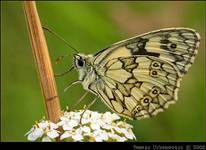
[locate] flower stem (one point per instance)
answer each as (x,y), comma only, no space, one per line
(42,60)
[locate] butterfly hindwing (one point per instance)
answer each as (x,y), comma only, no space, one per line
(139,86)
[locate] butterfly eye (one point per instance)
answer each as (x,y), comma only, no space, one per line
(80,63)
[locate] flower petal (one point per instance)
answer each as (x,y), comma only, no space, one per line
(43,124)
(77,137)
(31,130)
(38,132)
(46,139)
(52,134)
(53,125)
(65,135)
(31,137)
(86,129)
(95,126)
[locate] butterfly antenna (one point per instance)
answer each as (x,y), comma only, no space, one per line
(59,37)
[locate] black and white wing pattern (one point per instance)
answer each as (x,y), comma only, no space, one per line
(139,86)
(142,74)
(175,45)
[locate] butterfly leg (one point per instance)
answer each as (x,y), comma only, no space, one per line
(71,84)
(86,108)
(80,99)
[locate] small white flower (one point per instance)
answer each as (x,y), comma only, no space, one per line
(78,131)
(117,137)
(35,134)
(77,116)
(100,135)
(95,116)
(132,134)
(73,123)
(122,139)
(31,130)
(65,135)
(85,120)
(124,124)
(70,114)
(115,117)
(85,114)
(86,129)
(109,118)
(119,130)
(61,123)
(107,126)
(53,125)
(75,134)
(77,137)
(95,126)
(127,134)
(106,117)
(100,122)
(31,137)
(38,132)
(46,139)
(68,124)
(43,124)
(53,134)
(67,127)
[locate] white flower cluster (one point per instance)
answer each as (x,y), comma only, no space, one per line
(45,130)
(89,127)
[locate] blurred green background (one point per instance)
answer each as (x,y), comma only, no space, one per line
(90,27)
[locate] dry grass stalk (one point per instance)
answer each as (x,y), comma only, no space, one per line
(42,59)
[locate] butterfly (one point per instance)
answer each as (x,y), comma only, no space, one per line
(139,77)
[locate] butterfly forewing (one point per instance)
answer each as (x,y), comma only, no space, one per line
(176,45)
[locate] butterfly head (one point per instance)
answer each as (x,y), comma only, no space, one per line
(82,60)
(82,63)
(79,61)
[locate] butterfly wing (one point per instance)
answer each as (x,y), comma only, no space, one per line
(139,86)
(175,45)
(141,75)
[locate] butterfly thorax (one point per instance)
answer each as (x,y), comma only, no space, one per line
(88,72)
